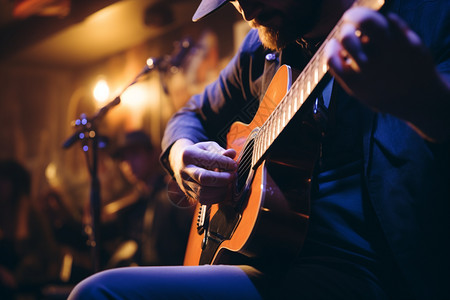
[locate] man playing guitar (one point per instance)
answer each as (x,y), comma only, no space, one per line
(356,149)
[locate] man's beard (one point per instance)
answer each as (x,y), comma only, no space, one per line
(290,32)
(274,39)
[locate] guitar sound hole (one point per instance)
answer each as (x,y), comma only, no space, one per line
(245,166)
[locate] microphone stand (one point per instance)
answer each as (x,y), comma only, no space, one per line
(87,131)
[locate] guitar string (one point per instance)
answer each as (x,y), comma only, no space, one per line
(288,98)
(245,162)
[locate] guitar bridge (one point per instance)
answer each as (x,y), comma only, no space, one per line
(202,219)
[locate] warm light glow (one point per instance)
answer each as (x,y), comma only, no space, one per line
(135,96)
(101,91)
(50,172)
(142,95)
(140,98)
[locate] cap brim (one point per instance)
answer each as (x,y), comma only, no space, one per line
(206,7)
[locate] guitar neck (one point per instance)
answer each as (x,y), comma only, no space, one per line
(301,90)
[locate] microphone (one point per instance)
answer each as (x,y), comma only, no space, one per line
(86,123)
(181,50)
(167,62)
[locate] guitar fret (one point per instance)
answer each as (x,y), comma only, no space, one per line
(273,131)
(270,138)
(324,67)
(289,111)
(264,144)
(265,140)
(276,123)
(279,121)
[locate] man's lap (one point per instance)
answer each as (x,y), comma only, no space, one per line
(174,282)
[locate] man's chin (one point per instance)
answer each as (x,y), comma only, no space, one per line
(272,39)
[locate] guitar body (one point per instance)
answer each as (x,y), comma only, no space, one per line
(268,218)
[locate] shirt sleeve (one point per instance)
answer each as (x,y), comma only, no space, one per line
(208,116)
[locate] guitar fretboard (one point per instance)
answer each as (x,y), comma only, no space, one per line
(300,91)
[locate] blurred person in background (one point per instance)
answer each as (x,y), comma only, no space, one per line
(29,257)
(151,229)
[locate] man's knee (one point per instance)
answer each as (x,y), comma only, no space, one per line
(96,286)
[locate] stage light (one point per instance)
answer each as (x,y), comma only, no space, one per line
(101,91)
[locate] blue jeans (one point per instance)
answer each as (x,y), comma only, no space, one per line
(173,282)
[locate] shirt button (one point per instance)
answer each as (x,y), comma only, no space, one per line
(271,57)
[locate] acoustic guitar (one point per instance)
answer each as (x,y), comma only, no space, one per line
(267,218)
